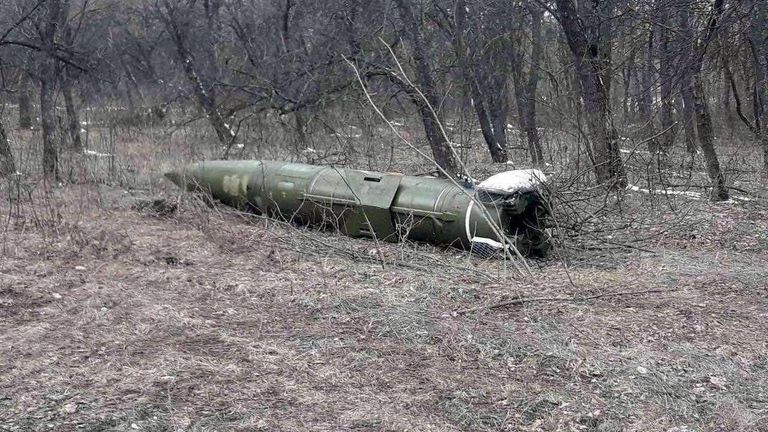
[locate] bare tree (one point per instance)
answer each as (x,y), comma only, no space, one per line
(66,81)
(428,108)
(646,91)
(7,164)
(49,31)
(25,100)
(527,84)
(176,16)
(694,88)
(495,140)
(758,43)
(666,76)
(590,47)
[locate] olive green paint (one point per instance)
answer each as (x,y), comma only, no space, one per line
(358,203)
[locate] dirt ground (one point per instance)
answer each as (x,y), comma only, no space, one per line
(112,319)
(115,319)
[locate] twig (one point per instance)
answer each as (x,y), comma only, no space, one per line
(737,189)
(523,269)
(521,300)
(350,253)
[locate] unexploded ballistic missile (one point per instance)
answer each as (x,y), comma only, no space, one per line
(391,207)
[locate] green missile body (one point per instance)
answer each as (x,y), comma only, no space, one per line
(389,207)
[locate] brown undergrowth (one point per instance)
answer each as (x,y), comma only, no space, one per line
(113,319)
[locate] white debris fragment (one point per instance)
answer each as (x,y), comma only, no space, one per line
(695,195)
(96,154)
(309,150)
(490,242)
(634,151)
(512,181)
(641,370)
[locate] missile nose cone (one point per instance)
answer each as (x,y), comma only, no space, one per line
(176,178)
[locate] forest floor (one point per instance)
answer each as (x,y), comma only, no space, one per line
(114,319)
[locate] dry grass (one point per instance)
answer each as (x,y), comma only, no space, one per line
(114,319)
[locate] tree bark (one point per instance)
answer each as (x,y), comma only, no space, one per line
(73,117)
(7,164)
(25,102)
(666,73)
(54,20)
(758,34)
(707,141)
(48,125)
(441,150)
(689,113)
(686,82)
(201,89)
(498,108)
(701,107)
(472,79)
(531,85)
(627,73)
(590,58)
(645,96)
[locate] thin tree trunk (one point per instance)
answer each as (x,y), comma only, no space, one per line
(224,133)
(627,74)
(54,20)
(48,124)
(531,86)
(701,107)
(760,60)
(301,128)
(726,98)
(202,90)
(686,83)
(707,141)
(25,102)
(591,62)
(497,108)
(666,74)
(689,113)
(756,106)
(7,164)
(441,150)
(645,96)
(525,87)
(764,144)
(472,78)
(73,117)
(497,151)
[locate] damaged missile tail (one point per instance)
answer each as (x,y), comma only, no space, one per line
(389,207)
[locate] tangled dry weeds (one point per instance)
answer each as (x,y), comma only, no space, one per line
(115,319)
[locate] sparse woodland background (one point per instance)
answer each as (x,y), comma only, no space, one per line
(649,117)
(662,75)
